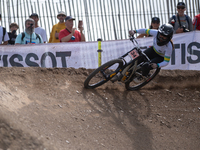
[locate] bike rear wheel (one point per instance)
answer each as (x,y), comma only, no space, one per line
(137,84)
(103,74)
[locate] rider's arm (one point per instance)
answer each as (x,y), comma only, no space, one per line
(165,62)
(147,31)
(168,53)
(142,35)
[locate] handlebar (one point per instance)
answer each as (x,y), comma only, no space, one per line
(132,37)
(133,40)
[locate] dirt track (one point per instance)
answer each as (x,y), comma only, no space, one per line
(50,109)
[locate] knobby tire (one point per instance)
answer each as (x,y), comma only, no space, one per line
(98,70)
(133,88)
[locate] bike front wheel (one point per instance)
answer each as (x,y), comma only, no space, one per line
(139,81)
(103,74)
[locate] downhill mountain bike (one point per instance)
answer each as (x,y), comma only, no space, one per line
(129,72)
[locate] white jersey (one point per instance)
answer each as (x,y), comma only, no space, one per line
(42,33)
(164,51)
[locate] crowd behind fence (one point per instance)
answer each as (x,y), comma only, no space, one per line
(106,19)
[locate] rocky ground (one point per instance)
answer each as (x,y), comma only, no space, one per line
(49,109)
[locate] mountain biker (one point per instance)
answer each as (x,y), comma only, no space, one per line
(160,53)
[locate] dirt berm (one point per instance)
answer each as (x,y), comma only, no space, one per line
(49,109)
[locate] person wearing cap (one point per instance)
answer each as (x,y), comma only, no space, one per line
(3,35)
(196,22)
(181,22)
(39,30)
(57,28)
(29,36)
(70,34)
(12,34)
(155,23)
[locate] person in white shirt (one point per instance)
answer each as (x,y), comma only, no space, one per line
(39,30)
(3,35)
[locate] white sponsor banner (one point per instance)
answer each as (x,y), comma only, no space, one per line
(186,55)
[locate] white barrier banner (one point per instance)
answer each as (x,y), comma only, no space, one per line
(186,55)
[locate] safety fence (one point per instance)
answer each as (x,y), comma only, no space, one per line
(185,56)
(106,19)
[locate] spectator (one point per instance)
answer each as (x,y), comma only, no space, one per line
(196,22)
(3,35)
(70,34)
(180,21)
(12,34)
(39,30)
(29,36)
(155,23)
(57,28)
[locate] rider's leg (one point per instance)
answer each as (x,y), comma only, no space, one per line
(154,58)
(157,59)
(149,52)
(146,69)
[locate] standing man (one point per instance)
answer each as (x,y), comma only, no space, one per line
(39,30)
(29,36)
(57,28)
(180,21)
(70,34)
(3,35)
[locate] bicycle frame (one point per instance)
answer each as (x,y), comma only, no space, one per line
(128,65)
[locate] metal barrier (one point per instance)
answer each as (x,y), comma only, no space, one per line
(106,19)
